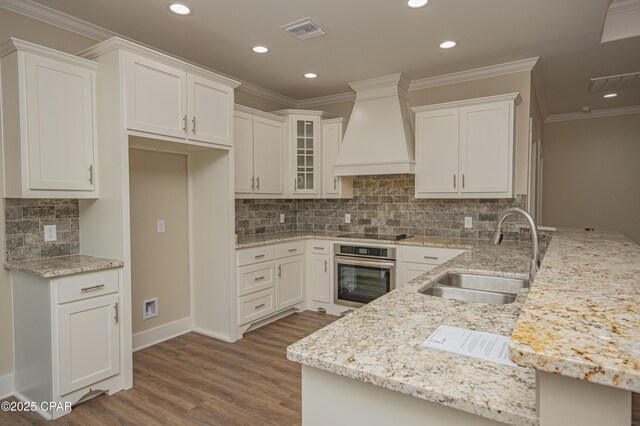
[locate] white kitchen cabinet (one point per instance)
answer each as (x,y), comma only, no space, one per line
(168,101)
(304,152)
(332,134)
(320,278)
(415,261)
(48,116)
(66,336)
(259,152)
(290,282)
(466,149)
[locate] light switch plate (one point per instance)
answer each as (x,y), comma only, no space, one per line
(347,218)
(281,217)
(50,233)
(160,226)
(468,222)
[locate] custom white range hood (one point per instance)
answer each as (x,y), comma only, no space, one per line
(379,139)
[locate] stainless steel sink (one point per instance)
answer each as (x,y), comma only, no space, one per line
(477,288)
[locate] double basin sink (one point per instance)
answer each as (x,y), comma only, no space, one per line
(477,288)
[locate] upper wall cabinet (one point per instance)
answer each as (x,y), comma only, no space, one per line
(466,149)
(259,153)
(168,101)
(49,123)
(333,186)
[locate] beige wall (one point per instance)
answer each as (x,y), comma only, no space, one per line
(592,174)
(15,25)
(256,102)
(159,261)
(511,83)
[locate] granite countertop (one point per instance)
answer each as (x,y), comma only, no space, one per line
(64,265)
(266,239)
(380,343)
(582,316)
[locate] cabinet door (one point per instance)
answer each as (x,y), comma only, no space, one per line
(409,271)
(320,278)
(437,152)
(290,281)
(89,342)
(243,152)
(331,139)
(486,155)
(60,101)
(306,152)
(268,154)
(156,97)
(210,109)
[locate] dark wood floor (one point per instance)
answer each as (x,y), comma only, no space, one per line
(196,380)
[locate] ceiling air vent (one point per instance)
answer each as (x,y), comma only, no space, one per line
(614,82)
(305,29)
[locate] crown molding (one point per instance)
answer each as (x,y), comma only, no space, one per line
(256,112)
(623,6)
(612,112)
(474,74)
(56,18)
(268,94)
(327,100)
(538,87)
(511,97)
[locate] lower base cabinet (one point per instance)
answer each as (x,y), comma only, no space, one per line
(415,261)
(320,278)
(290,282)
(66,338)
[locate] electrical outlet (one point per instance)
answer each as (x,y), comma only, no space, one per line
(468,222)
(347,218)
(50,233)
(160,226)
(281,217)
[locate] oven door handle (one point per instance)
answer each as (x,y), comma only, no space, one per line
(375,264)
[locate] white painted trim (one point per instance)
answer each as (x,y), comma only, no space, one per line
(541,94)
(6,386)
(612,112)
(252,111)
(214,335)
(56,18)
(327,100)
(511,97)
(474,74)
(623,6)
(43,414)
(147,338)
(268,94)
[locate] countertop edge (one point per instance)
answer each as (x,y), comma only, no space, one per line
(101,265)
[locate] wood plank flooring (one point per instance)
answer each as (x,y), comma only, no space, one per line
(196,380)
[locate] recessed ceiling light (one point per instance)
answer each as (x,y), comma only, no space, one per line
(260,49)
(417,3)
(610,95)
(448,44)
(180,9)
(311,75)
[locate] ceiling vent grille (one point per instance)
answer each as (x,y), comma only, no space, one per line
(614,82)
(305,29)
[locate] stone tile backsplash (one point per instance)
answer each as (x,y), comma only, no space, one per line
(24,228)
(385,205)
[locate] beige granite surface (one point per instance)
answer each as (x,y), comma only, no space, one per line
(582,316)
(63,265)
(380,343)
(266,239)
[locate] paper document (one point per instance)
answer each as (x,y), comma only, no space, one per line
(476,344)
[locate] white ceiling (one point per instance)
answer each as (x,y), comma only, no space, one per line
(372,38)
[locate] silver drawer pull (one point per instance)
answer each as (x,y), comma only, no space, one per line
(318,248)
(95,287)
(292,250)
(259,306)
(259,278)
(260,256)
(431,257)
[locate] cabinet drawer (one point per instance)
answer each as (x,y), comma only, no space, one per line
(289,249)
(430,255)
(320,247)
(256,306)
(83,286)
(256,277)
(255,255)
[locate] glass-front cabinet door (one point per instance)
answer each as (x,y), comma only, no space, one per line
(306,155)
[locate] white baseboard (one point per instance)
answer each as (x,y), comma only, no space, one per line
(6,386)
(147,338)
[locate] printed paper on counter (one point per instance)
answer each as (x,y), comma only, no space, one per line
(476,344)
